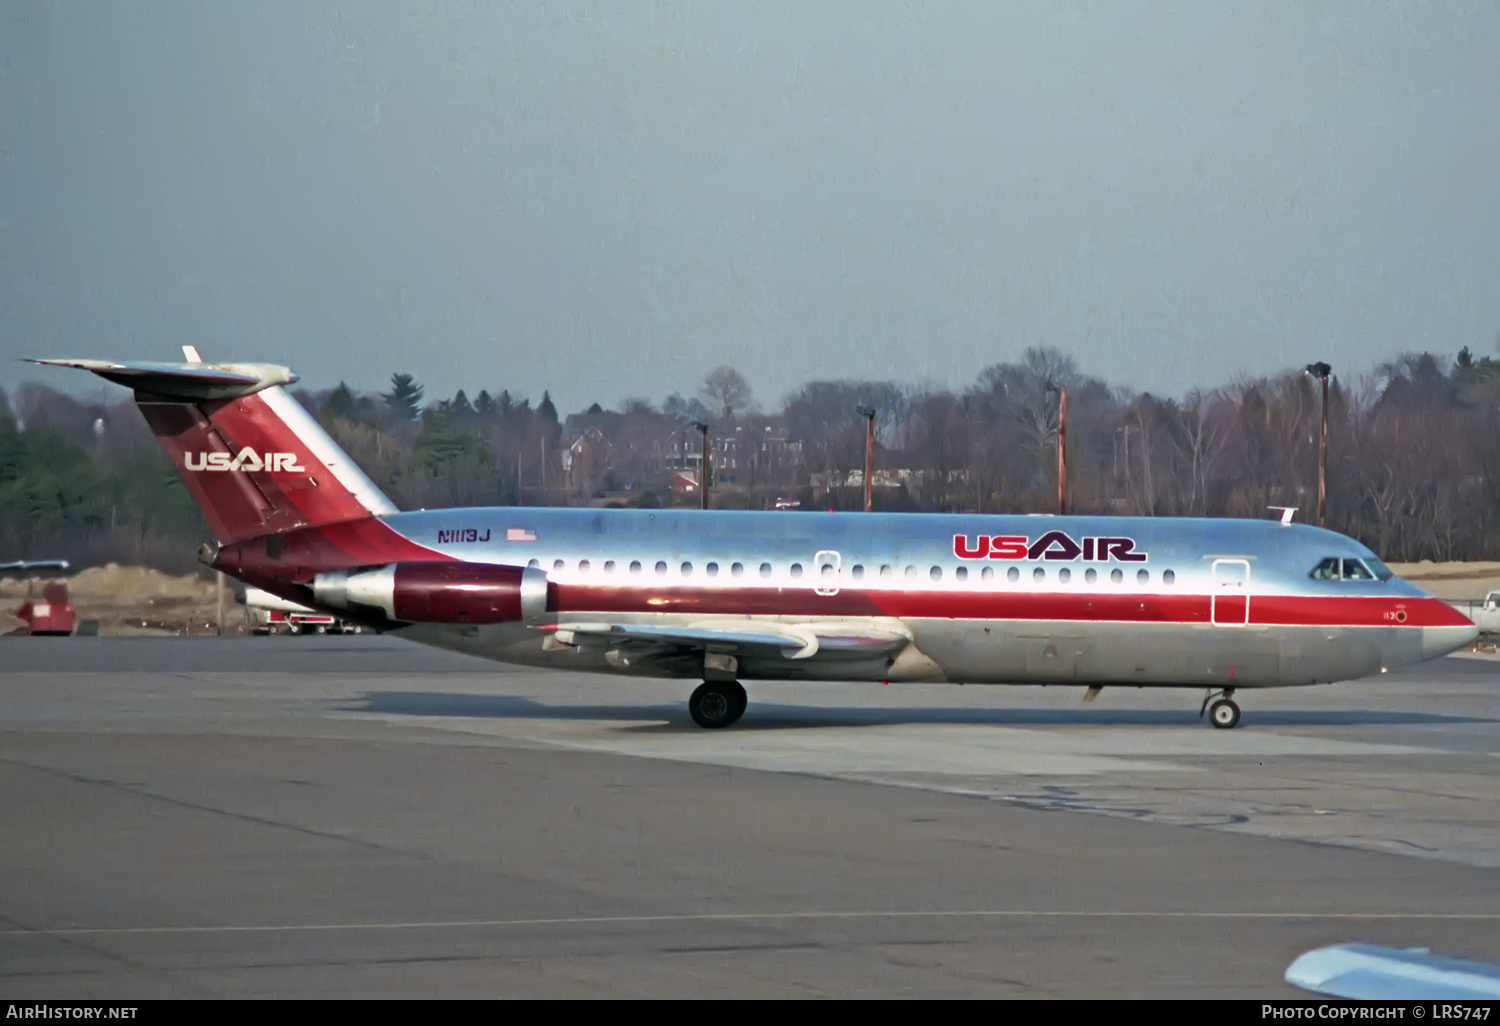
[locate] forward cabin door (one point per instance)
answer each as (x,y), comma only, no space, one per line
(1229,604)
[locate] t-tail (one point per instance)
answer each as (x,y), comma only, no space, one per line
(284,502)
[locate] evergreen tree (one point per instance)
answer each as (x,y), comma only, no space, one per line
(546,410)
(340,402)
(405,397)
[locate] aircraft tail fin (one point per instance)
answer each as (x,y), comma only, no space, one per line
(253,459)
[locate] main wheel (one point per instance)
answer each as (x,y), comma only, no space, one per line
(1224,714)
(717,704)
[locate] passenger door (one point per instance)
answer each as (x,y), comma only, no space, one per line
(1229,604)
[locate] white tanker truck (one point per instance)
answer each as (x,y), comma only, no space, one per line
(270,614)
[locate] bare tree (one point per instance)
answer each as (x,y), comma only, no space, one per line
(725,392)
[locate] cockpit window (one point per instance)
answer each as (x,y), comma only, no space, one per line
(1328,570)
(1335,569)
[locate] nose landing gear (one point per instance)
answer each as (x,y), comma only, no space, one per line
(717,704)
(1223,713)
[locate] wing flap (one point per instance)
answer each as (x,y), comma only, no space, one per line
(1370,973)
(792,641)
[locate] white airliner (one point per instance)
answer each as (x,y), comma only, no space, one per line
(720,597)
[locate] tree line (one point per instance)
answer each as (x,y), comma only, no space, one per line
(1413,464)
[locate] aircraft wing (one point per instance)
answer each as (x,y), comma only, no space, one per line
(1371,973)
(793,641)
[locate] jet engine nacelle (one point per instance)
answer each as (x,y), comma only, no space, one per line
(438,592)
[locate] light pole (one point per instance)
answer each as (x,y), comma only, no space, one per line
(1322,371)
(868,412)
(1062,439)
(703,467)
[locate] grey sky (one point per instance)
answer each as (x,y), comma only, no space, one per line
(609,199)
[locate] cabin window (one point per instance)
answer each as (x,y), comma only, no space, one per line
(857,572)
(535,564)
(609,566)
(737,570)
(826,570)
(1354,570)
(1013,574)
(635,566)
(1064,575)
(661,568)
(1143,577)
(687,569)
(1168,577)
(796,569)
(936,573)
(962,573)
(765,569)
(1116,575)
(1090,575)
(557,564)
(583,566)
(887,570)
(1381,571)
(712,569)
(1039,574)
(911,573)
(988,573)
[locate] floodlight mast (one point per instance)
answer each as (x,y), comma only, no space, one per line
(1062,439)
(868,412)
(1322,372)
(703,466)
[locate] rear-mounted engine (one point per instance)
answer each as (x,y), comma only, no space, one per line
(438,592)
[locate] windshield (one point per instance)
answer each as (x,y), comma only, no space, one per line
(1336,568)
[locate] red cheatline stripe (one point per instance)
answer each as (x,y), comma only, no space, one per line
(1265,610)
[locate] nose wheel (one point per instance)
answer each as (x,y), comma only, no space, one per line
(717,704)
(1222,711)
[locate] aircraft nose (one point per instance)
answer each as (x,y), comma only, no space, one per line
(1437,641)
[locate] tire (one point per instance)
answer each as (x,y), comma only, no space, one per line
(1224,714)
(716,705)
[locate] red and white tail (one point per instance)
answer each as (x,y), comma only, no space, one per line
(254,460)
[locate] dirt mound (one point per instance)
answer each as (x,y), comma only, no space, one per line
(116,583)
(133,599)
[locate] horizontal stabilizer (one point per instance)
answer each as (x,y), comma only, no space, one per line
(1370,973)
(24,567)
(189,382)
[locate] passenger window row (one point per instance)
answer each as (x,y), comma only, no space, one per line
(857,571)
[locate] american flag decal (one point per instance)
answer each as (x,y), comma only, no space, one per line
(519,534)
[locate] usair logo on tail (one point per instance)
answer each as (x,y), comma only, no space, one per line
(248,460)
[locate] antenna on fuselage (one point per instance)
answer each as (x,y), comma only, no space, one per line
(1287,512)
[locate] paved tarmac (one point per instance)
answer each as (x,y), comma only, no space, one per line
(363,817)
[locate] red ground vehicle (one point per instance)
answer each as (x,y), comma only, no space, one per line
(48,608)
(52,612)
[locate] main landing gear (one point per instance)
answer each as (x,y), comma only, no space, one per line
(1223,713)
(717,704)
